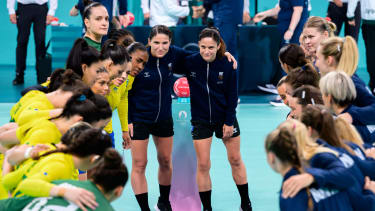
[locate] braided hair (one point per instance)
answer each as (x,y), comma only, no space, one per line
(283,144)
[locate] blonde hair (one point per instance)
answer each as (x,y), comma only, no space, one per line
(282,143)
(348,132)
(321,25)
(344,51)
(306,146)
(340,86)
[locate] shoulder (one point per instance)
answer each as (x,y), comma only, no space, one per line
(224,64)
(194,57)
(357,80)
(324,157)
(298,202)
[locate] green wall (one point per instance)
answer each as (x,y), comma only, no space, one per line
(8,33)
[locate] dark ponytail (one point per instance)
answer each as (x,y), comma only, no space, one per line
(215,35)
(55,80)
(117,53)
(318,118)
(305,75)
(111,167)
(91,107)
(293,55)
(136,46)
(122,36)
(81,53)
(74,132)
(88,142)
(71,82)
(307,94)
(283,144)
(104,110)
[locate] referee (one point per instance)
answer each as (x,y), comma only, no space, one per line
(29,12)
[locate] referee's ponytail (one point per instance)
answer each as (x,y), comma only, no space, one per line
(215,35)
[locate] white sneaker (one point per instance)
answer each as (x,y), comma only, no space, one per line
(268,88)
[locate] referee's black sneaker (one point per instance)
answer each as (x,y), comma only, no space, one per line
(246,207)
(18,80)
(163,205)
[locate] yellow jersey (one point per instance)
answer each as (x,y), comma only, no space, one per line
(34,179)
(118,99)
(42,131)
(28,98)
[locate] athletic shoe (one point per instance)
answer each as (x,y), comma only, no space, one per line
(278,102)
(163,206)
(248,208)
(18,80)
(268,88)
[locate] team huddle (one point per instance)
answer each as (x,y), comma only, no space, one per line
(58,148)
(324,150)
(57,151)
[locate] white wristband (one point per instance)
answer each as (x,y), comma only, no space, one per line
(27,152)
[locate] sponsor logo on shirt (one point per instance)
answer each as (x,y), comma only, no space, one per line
(146,74)
(320,194)
(220,77)
(346,160)
(193,74)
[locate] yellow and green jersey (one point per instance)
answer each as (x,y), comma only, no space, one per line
(28,98)
(118,99)
(42,131)
(28,203)
(34,179)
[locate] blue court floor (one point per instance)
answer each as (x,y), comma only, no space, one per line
(256,119)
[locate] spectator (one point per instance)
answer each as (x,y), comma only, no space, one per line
(164,12)
(227,15)
(337,11)
(246,12)
(292,15)
(110,5)
(29,12)
(368,33)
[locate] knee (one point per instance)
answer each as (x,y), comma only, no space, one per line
(235,161)
(139,166)
(165,162)
(204,166)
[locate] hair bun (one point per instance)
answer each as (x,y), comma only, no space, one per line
(84,44)
(112,159)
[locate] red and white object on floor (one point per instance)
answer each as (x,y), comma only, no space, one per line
(181,87)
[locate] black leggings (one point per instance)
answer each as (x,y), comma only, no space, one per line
(368,33)
(338,16)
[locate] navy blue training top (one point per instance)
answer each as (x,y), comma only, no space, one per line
(358,124)
(298,202)
(285,17)
(150,97)
(213,89)
(227,11)
(364,113)
(359,198)
(323,198)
